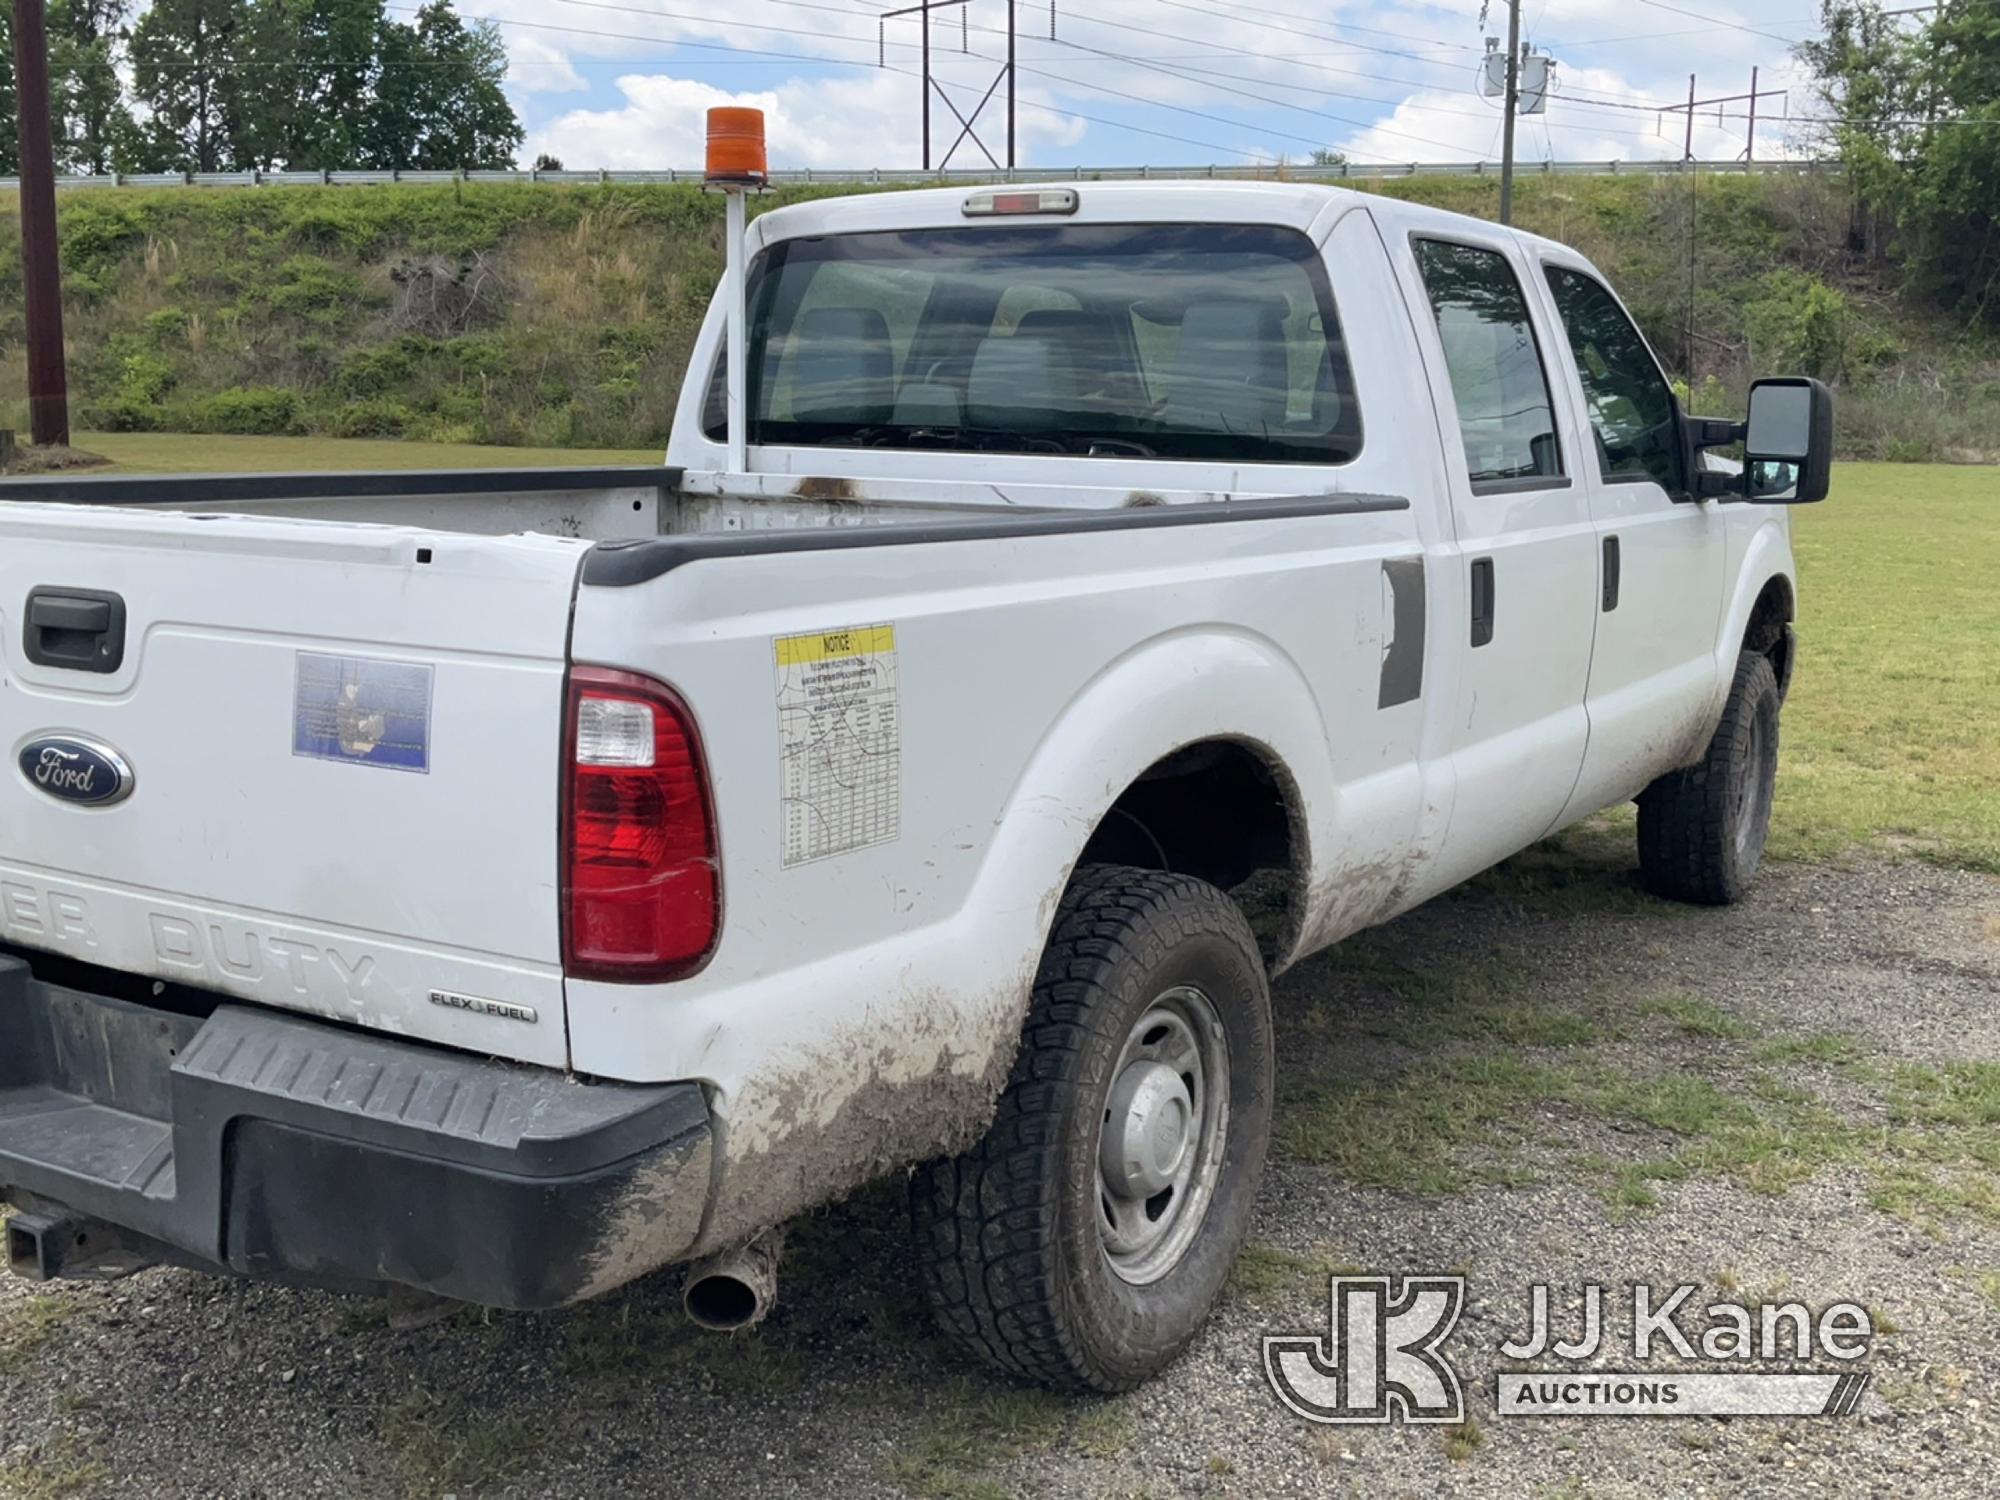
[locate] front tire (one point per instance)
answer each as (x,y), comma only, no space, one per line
(1084,1240)
(1702,829)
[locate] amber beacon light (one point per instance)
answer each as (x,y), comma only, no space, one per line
(736,148)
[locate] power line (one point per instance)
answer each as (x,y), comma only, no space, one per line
(1695,15)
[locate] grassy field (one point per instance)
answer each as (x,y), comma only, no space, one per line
(1893,727)
(188,453)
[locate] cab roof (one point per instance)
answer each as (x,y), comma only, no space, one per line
(1297,205)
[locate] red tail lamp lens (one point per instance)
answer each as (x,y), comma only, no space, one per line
(643,898)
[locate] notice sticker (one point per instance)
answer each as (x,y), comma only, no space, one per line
(840,741)
(362,709)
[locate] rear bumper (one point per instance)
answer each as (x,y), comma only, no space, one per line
(271,1146)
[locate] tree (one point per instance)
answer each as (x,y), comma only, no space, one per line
(88,119)
(547,163)
(10,117)
(1915,114)
(438,101)
(308,70)
(91,123)
(183,58)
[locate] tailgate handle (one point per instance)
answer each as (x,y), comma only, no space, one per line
(79,629)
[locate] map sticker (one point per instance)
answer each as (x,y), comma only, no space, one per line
(840,741)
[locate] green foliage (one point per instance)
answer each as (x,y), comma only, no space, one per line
(592,297)
(230,85)
(1917,111)
(248,409)
(376,417)
(1798,322)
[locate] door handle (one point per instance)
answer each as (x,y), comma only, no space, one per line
(1482,600)
(80,629)
(1610,573)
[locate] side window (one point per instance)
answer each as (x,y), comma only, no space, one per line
(1504,413)
(1631,408)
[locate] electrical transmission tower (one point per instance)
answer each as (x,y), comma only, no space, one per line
(930,85)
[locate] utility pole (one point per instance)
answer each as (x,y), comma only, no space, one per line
(41,272)
(1513,101)
(1010,75)
(1750,147)
(926,12)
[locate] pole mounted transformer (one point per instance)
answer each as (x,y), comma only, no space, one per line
(41,266)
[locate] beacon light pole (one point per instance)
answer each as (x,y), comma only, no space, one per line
(735,167)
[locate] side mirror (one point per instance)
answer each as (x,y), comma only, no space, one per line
(1788,442)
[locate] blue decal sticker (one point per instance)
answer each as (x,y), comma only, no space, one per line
(357,708)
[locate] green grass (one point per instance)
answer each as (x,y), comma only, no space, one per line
(1893,725)
(1470,1108)
(1263,1271)
(185,453)
(440,1445)
(974,1429)
(1693,1016)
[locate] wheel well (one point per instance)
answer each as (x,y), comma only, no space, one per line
(1769,631)
(1220,811)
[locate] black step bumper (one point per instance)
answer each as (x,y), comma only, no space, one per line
(271,1146)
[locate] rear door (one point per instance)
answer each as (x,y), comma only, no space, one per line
(310,764)
(1524,530)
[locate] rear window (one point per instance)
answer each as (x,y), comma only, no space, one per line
(1168,341)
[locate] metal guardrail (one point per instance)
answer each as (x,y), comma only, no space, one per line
(911,175)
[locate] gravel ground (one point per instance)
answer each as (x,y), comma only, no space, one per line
(1829,998)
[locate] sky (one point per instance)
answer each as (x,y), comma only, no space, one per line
(626,83)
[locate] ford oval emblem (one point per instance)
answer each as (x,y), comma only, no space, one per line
(73,768)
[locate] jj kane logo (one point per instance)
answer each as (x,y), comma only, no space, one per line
(1381,1358)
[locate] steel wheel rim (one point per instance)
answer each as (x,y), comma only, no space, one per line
(1161,1136)
(1749,792)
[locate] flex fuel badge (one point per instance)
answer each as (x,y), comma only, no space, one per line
(840,741)
(362,709)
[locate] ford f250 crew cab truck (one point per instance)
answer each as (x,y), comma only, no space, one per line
(388,903)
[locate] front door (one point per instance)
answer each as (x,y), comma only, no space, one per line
(1661,552)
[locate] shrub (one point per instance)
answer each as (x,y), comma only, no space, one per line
(121,413)
(376,417)
(249,409)
(1799,322)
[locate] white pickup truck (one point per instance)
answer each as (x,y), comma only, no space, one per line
(391,904)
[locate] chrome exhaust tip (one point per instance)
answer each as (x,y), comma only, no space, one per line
(733,1289)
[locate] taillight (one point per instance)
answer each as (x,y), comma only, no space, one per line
(642,891)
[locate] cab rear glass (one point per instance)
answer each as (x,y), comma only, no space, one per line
(1148,341)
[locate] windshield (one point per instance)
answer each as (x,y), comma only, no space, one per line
(1168,341)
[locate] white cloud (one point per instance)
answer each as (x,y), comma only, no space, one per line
(536,66)
(861,121)
(1291,76)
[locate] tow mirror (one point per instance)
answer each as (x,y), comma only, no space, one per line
(1788,442)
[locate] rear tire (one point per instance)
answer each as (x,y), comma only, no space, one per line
(1702,829)
(1084,1266)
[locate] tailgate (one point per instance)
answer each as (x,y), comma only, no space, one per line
(310,764)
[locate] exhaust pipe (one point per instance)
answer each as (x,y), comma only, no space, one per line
(733,1289)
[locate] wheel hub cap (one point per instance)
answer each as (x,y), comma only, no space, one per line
(1147,1136)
